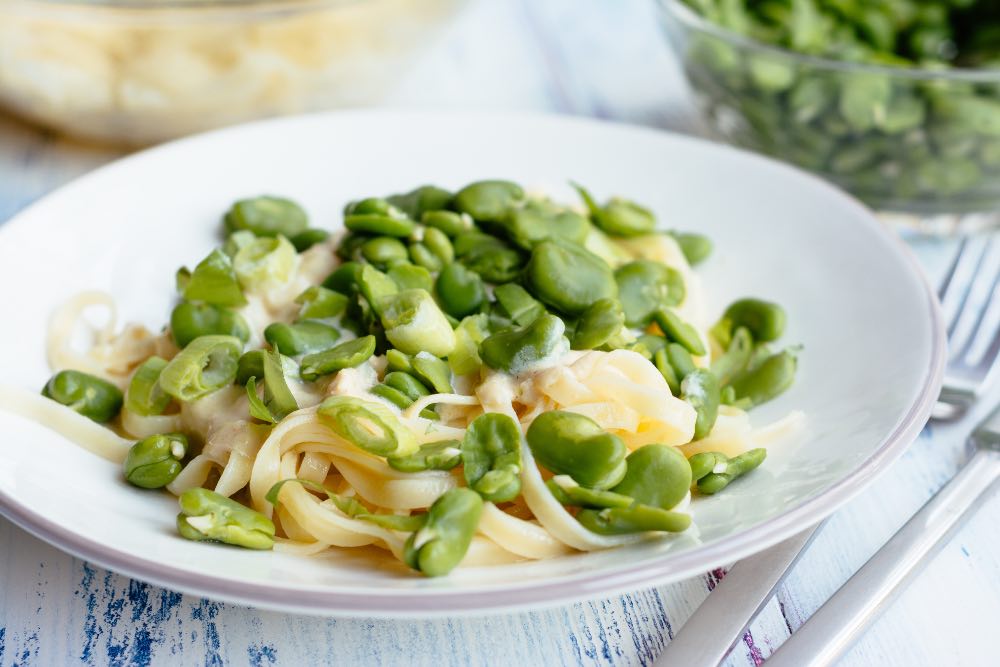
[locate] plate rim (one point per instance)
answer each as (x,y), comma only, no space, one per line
(428,602)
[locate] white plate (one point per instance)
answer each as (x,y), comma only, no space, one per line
(870,370)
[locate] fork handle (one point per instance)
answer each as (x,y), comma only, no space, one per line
(848,613)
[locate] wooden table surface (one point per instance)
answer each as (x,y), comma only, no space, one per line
(603,58)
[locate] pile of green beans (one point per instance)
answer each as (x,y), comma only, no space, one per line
(904,135)
(446,284)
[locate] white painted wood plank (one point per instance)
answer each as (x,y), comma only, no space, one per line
(592,57)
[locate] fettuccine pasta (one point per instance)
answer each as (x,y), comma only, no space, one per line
(469,378)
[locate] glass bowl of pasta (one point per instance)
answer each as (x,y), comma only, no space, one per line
(136,72)
(464,384)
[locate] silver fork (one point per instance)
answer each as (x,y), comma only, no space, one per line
(973,276)
(970,297)
(850,611)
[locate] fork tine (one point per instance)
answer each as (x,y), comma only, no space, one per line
(991,297)
(946,283)
(976,258)
(990,355)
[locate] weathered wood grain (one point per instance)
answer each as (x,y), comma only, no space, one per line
(601,58)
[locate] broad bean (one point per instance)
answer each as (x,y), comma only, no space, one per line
(491,457)
(208,516)
(567,443)
(91,396)
(441,544)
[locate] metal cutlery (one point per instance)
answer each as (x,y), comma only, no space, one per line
(972,279)
(847,614)
(718,624)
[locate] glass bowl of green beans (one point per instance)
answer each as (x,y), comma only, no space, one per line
(135,72)
(897,102)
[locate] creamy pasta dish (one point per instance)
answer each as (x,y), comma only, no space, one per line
(459,378)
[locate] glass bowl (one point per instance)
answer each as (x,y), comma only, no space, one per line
(913,140)
(141,71)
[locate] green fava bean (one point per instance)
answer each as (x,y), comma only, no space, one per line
(345,278)
(438,547)
(568,492)
(469,334)
(724,470)
(864,99)
(598,324)
(234,243)
(349,247)
(278,401)
(656,475)
(375,286)
(619,217)
(495,262)
(301,338)
(701,390)
(156,461)
(768,380)
(474,239)
(308,238)
(372,205)
(92,397)
(267,216)
(433,372)
(568,277)
(703,463)
(383,250)
(397,361)
(211,517)
(449,222)
(649,344)
(661,360)
(421,201)
(696,247)
(389,221)
(443,455)
(346,355)
(680,360)
(771,75)
(567,443)
(437,242)
(644,287)
(406,384)
(538,221)
(520,306)
(214,281)
(421,255)
(189,321)
(251,365)
(764,320)
(735,358)
(266,261)
(488,201)
(515,350)
(491,457)
(368,425)
(400,400)
(679,331)
(460,291)
(208,363)
(410,276)
(320,303)
(145,397)
(393,395)
(414,323)
(635,519)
